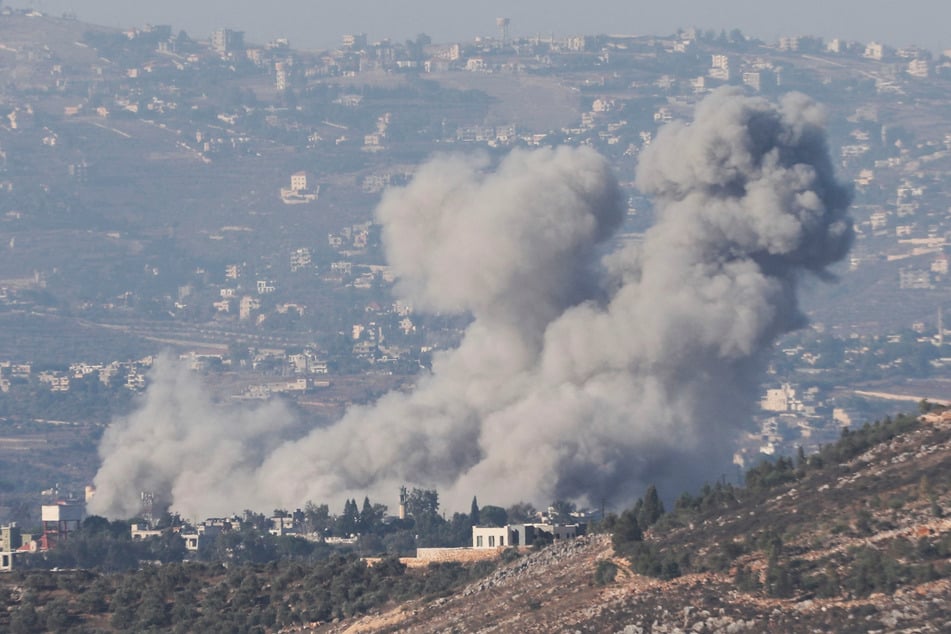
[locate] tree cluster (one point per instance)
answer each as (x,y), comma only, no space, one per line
(201,597)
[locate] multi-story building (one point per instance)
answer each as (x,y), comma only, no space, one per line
(299,181)
(874,50)
(226,41)
(919,68)
(355,41)
(10,542)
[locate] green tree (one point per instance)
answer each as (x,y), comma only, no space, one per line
(494,515)
(778,582)
(348,523)
(423,506)
(828,584)
(367,516)
(93,600)
(123,615)
(422,502)
(651,509)
(626,531)
(153,613)
(474,512)
(24,619)
(605,572)
(317,517)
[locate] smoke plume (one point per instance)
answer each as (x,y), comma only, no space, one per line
(578,377)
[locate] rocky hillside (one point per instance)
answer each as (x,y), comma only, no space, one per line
(859,545)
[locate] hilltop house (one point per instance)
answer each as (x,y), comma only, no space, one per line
(522,534)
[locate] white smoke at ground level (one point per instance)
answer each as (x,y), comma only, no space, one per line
(192,452)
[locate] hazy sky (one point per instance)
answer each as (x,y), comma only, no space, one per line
(319,23)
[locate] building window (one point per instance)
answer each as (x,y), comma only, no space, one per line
(479,541)
(501,541)
(491,541)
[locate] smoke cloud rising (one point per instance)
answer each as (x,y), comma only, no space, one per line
(579,377)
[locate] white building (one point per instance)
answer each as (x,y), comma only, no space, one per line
(140,532)
(874,50)
(266,287)
(299,181)
(491,536)
(355,41)
(720,68)
(919,68)
(202,535)
(521,534)
(226,41)
(300,191)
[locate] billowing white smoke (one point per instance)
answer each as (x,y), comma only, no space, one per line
(573,380)
(187,449)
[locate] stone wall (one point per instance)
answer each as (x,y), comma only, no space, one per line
(426,556)
(462,555)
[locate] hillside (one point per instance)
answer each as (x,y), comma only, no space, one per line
(864,547)
(852,539)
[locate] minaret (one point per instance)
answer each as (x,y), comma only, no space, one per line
(403,503)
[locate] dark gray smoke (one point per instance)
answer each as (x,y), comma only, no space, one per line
(573,380)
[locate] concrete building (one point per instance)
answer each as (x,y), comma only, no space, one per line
(59,520)
(522,534)
(355,41)
(266,287)
(141,532)
(299,181)
(204,534)
(282,526)
(491,536)
(874,50)
(789,43)
(10,538)
(300,190)
(289,524)
(10,541)
(919,68)
(475,64)
(720,67)
(280,76)
(226,41)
